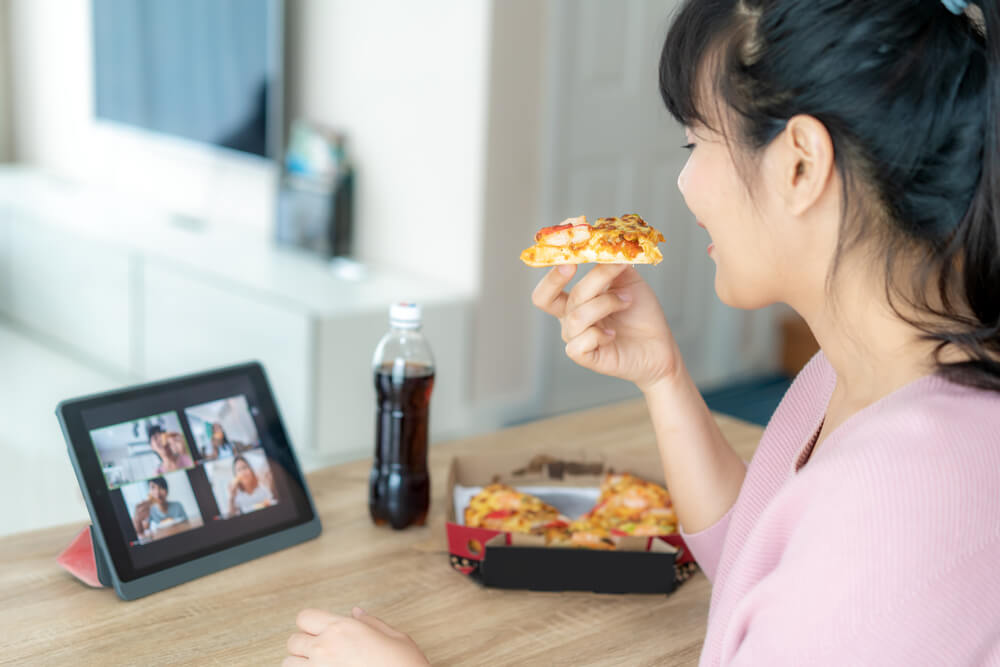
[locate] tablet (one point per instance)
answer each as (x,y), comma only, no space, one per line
(187,476)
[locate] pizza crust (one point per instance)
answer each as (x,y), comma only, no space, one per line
(541,255)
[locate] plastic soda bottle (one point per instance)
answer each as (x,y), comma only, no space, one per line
(399,486)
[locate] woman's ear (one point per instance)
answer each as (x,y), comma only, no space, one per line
(806,163)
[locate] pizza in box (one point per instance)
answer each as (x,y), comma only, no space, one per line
(627,505)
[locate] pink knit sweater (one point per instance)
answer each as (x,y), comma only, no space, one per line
(882,549)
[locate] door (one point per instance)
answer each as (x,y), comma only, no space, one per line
(614,149)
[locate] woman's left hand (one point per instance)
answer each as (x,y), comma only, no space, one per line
(359,639)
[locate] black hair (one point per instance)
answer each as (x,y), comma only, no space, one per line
(153,429)
(225,436)
(160,482)
(910,95)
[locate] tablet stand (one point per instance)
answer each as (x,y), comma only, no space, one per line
(85,560)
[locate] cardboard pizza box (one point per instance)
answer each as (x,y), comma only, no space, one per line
(570,480)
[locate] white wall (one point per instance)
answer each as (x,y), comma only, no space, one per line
(506,361)
(407,80)
(4,81)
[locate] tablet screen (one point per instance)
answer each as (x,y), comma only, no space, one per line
(187,469)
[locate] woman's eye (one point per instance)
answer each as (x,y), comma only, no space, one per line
(688,146)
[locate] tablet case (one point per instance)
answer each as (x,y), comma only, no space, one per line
(85,562)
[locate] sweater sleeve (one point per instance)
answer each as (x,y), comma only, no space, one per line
(706,545)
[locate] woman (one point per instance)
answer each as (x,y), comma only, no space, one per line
(845,160)
(218,444)
(171,449)
(246,491)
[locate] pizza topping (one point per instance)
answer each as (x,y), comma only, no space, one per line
(499,514)
(661,512)
(564,235)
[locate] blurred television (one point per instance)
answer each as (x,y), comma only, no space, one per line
(204,70)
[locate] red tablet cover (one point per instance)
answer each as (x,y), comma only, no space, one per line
(78,559)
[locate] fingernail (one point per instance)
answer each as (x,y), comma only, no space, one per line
(566,269)
(625,296)
(610,332)
(358,611)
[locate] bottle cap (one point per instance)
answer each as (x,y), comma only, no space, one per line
(405,315)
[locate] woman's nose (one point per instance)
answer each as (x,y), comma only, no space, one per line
(682,178)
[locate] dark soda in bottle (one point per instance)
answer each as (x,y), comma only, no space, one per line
(399,491)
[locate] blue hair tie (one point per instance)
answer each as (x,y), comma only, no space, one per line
(955,6)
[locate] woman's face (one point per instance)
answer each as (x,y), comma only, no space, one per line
(216,432)
(745,246)
(176,443)
(244,472)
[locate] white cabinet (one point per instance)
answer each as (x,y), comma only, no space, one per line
(190,324)
(130,295)
(72,289)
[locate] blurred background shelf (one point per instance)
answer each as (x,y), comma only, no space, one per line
(127,294)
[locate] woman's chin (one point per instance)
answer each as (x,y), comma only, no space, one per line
(743,297)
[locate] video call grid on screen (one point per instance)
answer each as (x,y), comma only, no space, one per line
(192,477)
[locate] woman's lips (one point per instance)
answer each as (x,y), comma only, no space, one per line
(710,245)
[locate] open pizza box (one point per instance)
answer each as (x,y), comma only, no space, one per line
(571,482)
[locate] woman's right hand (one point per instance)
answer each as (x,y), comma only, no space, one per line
(611,322)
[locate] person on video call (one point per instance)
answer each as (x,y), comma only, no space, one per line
(247,490)
(219,445)
(156,509)
(169,446)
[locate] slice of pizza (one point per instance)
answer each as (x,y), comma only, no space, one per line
(501,507)
(624,240)
(592,533)
(628,505)
(627,493)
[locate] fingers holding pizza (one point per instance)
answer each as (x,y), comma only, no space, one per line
(611,320)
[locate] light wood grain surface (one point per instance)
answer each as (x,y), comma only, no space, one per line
(244,615)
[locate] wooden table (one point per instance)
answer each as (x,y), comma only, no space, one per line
(245,614)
